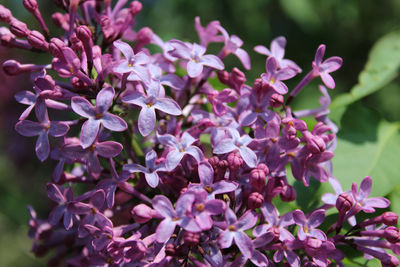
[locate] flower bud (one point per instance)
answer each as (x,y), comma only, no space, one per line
(257,86)
(56,46)
(142,213)
(135,7)
(288,193)
(143,38)
(257,178)
(214,162)
(5,14)
(137,251)
(315,144)
(191,239)
(344,202)
(61,20)
(170,249)
(235,161)
(276,100)
(12,67)
(390,261)
(238,76)
(312,246)
(223,76)
(263,167)
(19,28)
(37,40)
(255,200)
(389,218)
(30,5)
(392,234)
(84,34)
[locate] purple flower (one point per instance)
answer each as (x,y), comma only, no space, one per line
(327,66)
(278,51)
(235,231)
(150,171)
(180,149)
(133,64)
(174,217)
(237,143)
(154,100)
(307,225)
(204,208)
(208,34)
(42,129)
(97,115)
(273,77)
(194,53)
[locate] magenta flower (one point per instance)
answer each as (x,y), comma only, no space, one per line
(204,208)
(278,51)
(174,217)
(235,231)
(237,143)
(194,53)
(150,171)
(154,100)
(274,77)
(133,64)
(307,225)
(42,129)
(327,66)
(97,116)
(180,149)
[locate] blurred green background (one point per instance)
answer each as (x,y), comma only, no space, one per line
(349,28)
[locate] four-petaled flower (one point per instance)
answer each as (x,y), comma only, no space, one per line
(273,77)
(307,225)
(327,66)
(97,115)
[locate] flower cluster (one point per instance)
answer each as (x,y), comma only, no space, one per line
(181,162)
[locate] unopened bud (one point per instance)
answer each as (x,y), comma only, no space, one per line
(56,46)
(344,202)
(142,213)
(223,76)
(315,144)
(257,179)
(276,100)
(191,239)
(263,167)
(255,200)
(37,40)
(235,161)
(12,67)
(19,28)
(214,162)
(143,38)
(288,193)
(5,14)
(389,218)
(30,5)
(238,76)
(135,7)
(84,34)
(392,234)
(170,249)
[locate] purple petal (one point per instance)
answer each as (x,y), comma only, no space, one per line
(42,146)
(164,230)
(184,203)
(58,128)
(168,140)
(212,61)
(329,198)
(194,69)
(278,256)
(93,164)
(135,98)
(163,206)
(244,244)
(262,50)
(215,206)
(319,55)
(248,220)
(328,80)
(89,132)
(187,140)
(206,173)
(204,221)
(293,258)
(377,202)
(248,156)
(301,234)
(365,187)
(280,87)
(104,99)
(142,72)
(278,47)
(56,214)
(247,118)
(259,259)
(285,74)
(108,149)
(317,234)
(113,122)
(98,198)
(150,159)
(168,106)
(124,48)
(132,168)
(190,225)
(225,146)
(152,179)
(316,218)
(331,64)
(271,65)
(26,113)
(147,120)
(54,193)
(223,187)
(230,216)
(244,58)
(172,81)
(29,128)
(299,217)
(25,97)
(225,239)
(82,107)
(67,221)
(259,230)
(174,157)
(195,152)
(270,213)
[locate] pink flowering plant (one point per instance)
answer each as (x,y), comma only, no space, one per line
(179,160)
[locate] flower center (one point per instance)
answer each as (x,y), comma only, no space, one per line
(272,81)
(231,228)
(208,189)
(92,148)
(306,230)
(291,154)
(200,207)
(175,219)
(93,210)
(150,104)
(98,116)
(258,110)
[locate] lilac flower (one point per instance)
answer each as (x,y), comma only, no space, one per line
(208,34)
(232,45)
(307,225)
(237,143)
(286,250)
(42,129)
(180,149)
(150,171)
(235,231)
(278,51)
(154,100)
(205,208)
(174,217)
(273,77)
(327,66)
(194,53)
(133,64)
(97,115)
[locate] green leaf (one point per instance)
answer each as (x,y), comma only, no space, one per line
(381,68)
(367,145)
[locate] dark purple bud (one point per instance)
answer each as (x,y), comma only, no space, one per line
(288,193)
(214,162)
(135,7)
(315,144)
(257,178)
(223,76)
(19,28)
(137,252)
(76,44)
(84,34)
(263,167)
(143,38)
(390,261)
(37,40)
(79,84)
(276,100)
(170,249)
(389,218)
(235,161)
(30,5)
(12,67)
(142,213)
(223,164)
(312,246)
(238,76)
(255,200)
(61,20)
(191,239)
(258,85)
(392,234)
(55,47)
(344,202)
(5,14)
